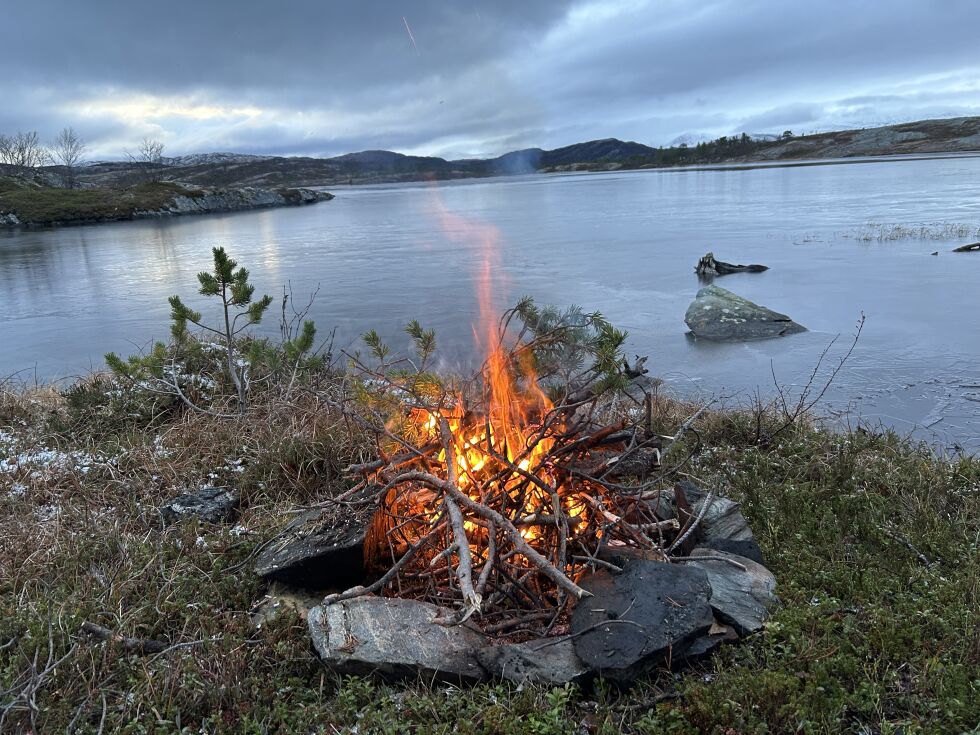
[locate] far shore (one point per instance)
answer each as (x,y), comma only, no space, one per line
(24,203)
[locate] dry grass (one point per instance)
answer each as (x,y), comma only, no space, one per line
(932,231)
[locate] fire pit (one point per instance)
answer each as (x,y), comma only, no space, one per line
(521,524)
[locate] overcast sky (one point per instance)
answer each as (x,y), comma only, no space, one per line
(462,78)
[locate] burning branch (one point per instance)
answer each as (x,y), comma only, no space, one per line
(464,569)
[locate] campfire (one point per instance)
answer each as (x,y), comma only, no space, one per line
(495,497)
(528,522)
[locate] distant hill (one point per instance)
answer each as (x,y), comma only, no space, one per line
(377,166)
(199,158)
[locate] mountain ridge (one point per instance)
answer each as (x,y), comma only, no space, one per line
(379,166)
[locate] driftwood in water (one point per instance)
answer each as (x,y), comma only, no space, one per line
(709,267)
(971,248)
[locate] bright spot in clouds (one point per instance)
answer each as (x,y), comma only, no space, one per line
(147,108)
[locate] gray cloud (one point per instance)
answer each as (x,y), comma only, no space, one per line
(797,113)
(319,78)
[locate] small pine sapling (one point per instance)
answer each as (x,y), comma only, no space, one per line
(235,291)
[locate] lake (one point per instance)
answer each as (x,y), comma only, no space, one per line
(840,240)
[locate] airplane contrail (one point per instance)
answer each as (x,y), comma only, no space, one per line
(407,28)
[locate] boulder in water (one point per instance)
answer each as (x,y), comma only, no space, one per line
(719,314)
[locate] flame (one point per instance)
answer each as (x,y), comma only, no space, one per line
(504,445)
(510,433)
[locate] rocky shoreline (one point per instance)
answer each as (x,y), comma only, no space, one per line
(182,200)
(234,200)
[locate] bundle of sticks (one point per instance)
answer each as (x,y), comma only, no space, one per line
(504,523)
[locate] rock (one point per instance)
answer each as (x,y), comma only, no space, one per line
(719,314)
(636,619)
(395,638)
(233,200)
(739,598)
(546,661)
(747,547)
(717,634)
(971,248)
(320,549)
(280,598)
(723,526)
(210,504)
(9,220)
(663,506)
(708,267)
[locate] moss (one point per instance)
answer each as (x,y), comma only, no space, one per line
(48,205)
(867,639)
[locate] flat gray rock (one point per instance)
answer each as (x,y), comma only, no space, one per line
(546,661)
(719,314)
(395,638)
(210,504)
(740,598)
(649,613)
(319,549)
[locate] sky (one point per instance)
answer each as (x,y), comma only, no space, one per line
(470,78)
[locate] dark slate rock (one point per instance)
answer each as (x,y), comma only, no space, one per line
(621,555)
(547,661)
(717,634)
(739,598)
(320,549)
(210,504)
(663,506)
(636,619)
(395,638)
(719,314)
(747,548)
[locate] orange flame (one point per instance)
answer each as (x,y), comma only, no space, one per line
(515,402)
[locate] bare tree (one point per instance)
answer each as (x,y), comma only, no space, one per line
(149,158)
(23,149)
(67,150)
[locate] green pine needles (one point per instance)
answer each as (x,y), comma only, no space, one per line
(239,311)
(235,292)
(571,348)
